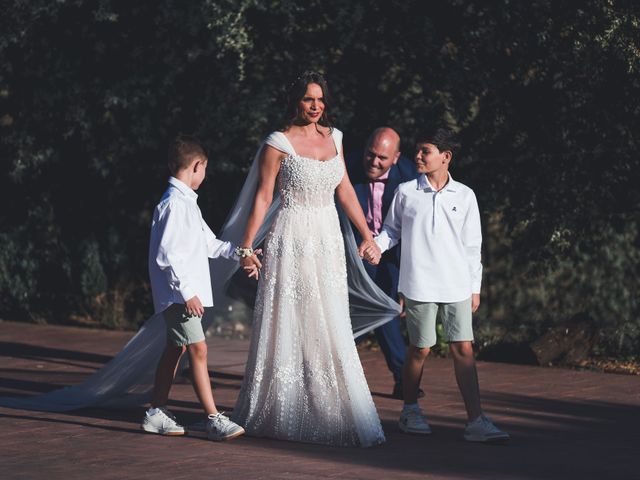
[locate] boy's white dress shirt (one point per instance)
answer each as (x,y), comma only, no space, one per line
(179,249)
(441,240)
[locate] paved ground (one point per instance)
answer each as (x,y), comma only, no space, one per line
(565,424)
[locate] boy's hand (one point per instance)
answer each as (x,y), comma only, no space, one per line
(193,306)
(403,312)
(475,302)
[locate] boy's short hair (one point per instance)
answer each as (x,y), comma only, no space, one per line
(443,138)
(182,150)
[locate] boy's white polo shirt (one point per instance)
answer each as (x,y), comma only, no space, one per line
(179,249)
(441,240)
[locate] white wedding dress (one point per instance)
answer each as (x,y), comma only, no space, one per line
(303,379)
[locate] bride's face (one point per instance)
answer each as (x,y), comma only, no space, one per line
(311,106)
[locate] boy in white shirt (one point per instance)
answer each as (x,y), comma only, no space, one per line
(179,250)
(440,277)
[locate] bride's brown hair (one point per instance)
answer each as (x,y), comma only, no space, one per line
(295,93)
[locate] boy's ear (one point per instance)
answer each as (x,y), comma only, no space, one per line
(197,163)
(447,156)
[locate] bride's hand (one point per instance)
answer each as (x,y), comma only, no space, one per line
(252,265)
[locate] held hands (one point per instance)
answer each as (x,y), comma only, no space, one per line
(252,265)
(370,251)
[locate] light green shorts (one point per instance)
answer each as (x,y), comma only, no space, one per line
(182,328)
(421,322)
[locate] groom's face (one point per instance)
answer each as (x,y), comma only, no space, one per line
(379,155)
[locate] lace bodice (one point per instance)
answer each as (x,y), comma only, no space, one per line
(307,183)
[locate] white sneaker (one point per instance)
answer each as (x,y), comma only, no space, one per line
(221,427)
(162,423)
(482,429)
(412,421)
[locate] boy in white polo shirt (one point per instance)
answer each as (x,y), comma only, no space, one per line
(179,251)
(440,276)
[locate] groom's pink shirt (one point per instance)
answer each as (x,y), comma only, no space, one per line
(374,215)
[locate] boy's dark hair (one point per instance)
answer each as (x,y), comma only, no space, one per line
(443,138)
(182,150)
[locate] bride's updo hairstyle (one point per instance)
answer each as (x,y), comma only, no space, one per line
(295,93)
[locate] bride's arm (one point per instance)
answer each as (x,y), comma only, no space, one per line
(348,199)
(270,159)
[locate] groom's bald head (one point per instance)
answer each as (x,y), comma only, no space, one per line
(381,152)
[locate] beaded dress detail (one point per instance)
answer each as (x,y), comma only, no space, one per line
(303,379)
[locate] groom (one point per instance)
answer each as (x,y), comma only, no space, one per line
(375,175)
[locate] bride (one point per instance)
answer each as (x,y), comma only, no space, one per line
(303,379)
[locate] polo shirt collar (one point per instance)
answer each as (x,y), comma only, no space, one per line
(423,184)
(183,188)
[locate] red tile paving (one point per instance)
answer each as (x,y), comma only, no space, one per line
(564,424)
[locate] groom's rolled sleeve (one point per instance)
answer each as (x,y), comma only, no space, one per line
(472,241)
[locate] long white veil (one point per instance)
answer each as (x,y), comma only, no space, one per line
(127,380)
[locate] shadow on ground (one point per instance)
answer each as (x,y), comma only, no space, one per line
(553,436)
(550,439)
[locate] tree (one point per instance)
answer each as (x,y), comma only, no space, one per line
(542,93)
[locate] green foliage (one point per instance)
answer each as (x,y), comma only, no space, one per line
(18,273)
(93,280)
(543,94)
(594,281)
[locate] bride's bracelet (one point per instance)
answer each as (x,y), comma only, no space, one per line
(244,252)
